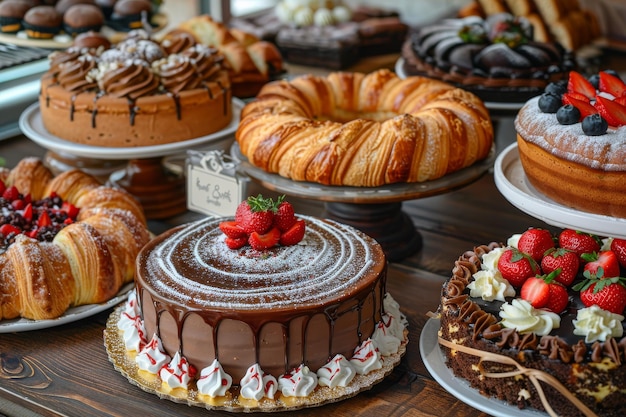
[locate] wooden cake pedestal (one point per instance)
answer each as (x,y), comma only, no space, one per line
(376,211)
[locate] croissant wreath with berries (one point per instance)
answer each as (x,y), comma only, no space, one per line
(64,241)
(364,130)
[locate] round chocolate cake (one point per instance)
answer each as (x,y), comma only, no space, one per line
(495,58)
(280,308)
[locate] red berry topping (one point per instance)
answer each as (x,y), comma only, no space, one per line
(264,241)
(618,246)
(256,214)
(579,242)
(577,83)
(232,229)
(602,265)
(611,84)
(558,299)
(536,291)
(516,267)
(294,234)
(284,218)
(535,242)
(564,262)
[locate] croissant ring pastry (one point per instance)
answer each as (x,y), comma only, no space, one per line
(364,130)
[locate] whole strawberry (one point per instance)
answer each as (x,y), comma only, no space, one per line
(607,293)
(255,214)
(536,242)
(564,261)
(558,299)
(618,246)
(516,266)
(579,242)
(285,217)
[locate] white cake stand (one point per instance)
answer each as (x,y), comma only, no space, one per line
(513,184)
(139,170)
(377,211)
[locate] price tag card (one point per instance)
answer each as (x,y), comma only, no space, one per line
(214,187)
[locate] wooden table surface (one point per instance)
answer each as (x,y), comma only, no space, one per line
(65,370)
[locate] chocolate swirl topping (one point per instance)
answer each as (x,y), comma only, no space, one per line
(73,75)
(132,80)
(188,70)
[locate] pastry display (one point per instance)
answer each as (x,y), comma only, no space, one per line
(496,58)
(572,143)
(135,93)
(364,130)
(327,34)
(64,241)
(539,322)
(251,62)
(562,21)
(264,310)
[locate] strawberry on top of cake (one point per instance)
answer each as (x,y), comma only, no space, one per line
(263,223)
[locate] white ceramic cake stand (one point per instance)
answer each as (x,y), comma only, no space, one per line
(513,184)
(377,211)
(140,169)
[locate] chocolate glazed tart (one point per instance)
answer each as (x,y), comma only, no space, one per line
(278,308)
(101,120)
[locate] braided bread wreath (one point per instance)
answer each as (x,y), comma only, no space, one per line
(364,130)
(87,261)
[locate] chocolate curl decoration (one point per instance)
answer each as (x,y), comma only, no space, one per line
(534,375)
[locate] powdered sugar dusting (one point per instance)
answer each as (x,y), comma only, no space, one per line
(606,152)
(194,265)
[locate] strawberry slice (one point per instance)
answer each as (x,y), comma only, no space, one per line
(70,209)
(614,113)
(6,229)
(294,234)
(602,265)
(536,291)
(577,83)
(28,212)
(44,220)
(11,193)
(236,242)
(611,84)
(264,241)
(583,106)
(232,229)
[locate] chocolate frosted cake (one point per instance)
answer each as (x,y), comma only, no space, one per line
(280,325)
(573,354)
(134,93)
(495,58)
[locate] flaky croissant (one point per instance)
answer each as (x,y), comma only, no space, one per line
(364,130)
(87,261)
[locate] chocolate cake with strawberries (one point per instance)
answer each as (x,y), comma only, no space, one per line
(539,322)
(263,311)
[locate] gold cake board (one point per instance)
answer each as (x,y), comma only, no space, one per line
(125,364)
